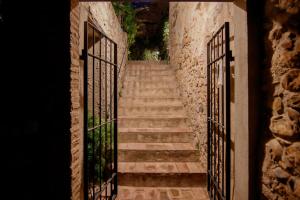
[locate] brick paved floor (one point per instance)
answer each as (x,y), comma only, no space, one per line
(162,193)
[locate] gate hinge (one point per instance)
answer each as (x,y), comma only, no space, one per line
(231,58)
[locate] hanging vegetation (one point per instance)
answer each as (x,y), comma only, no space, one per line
(125,11)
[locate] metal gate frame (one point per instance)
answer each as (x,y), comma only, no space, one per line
(100,184)
(219,56)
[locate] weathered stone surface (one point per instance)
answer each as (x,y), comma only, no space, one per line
(277,105)
(280,178)
(283,126)
(293,114)
(278,90)
(292,156)
(280,173)
(294,187)
(289,6)
(191,26)
(274,150)
(294,101)
(291,80)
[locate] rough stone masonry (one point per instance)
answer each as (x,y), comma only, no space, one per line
(281,164)
(192,24)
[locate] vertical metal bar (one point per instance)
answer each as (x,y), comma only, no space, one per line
(208,117)
(211,118)
(214,117)
(100,117)
(116,119)
(111,118)
(218,118)
(228,138)
(223,139)
(93,111)
(85,123)
(106,113)
(211,122)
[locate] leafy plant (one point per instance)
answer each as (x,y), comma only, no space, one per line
(100,148)
(166,38)
(126,12)
(150,54)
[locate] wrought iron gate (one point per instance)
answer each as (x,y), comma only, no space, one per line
(218,114)
(100,114)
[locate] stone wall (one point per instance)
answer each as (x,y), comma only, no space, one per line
(103,16)
(281,164)
(76,126)
(191,26)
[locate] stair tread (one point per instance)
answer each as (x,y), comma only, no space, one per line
(160,167)
(152,97)
(151,106)
(156,146)
(155,130)
(153,117)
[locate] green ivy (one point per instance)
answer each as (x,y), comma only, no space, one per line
(127,14)
(100,142)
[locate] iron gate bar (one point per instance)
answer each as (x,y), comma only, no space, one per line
(116,121)
(218,114)
(85,136)
(105,115)
(107,169)
(91,55)
(93,110)
(100,114)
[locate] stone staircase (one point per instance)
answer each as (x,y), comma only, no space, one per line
(156,157)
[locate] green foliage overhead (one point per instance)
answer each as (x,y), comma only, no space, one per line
(165,48)
(126,12)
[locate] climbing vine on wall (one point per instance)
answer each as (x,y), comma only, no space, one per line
(125,11)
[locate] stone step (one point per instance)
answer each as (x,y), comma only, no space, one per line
(149,101)
(147,66)
(162,193)
(155,135)
(170,174)
(151,95)
(150,78)
(135,72)
(151,110)
(155,121)
(149,84)
(151,92)
(157,152)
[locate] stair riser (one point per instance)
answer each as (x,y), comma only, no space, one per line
(152,123)
(150,78)
(150,102)
(159,93)
(146,92)
(162,180)
(148,67)
(149,85)
(150,73)
(126,111)
(158,155)
(155,137)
